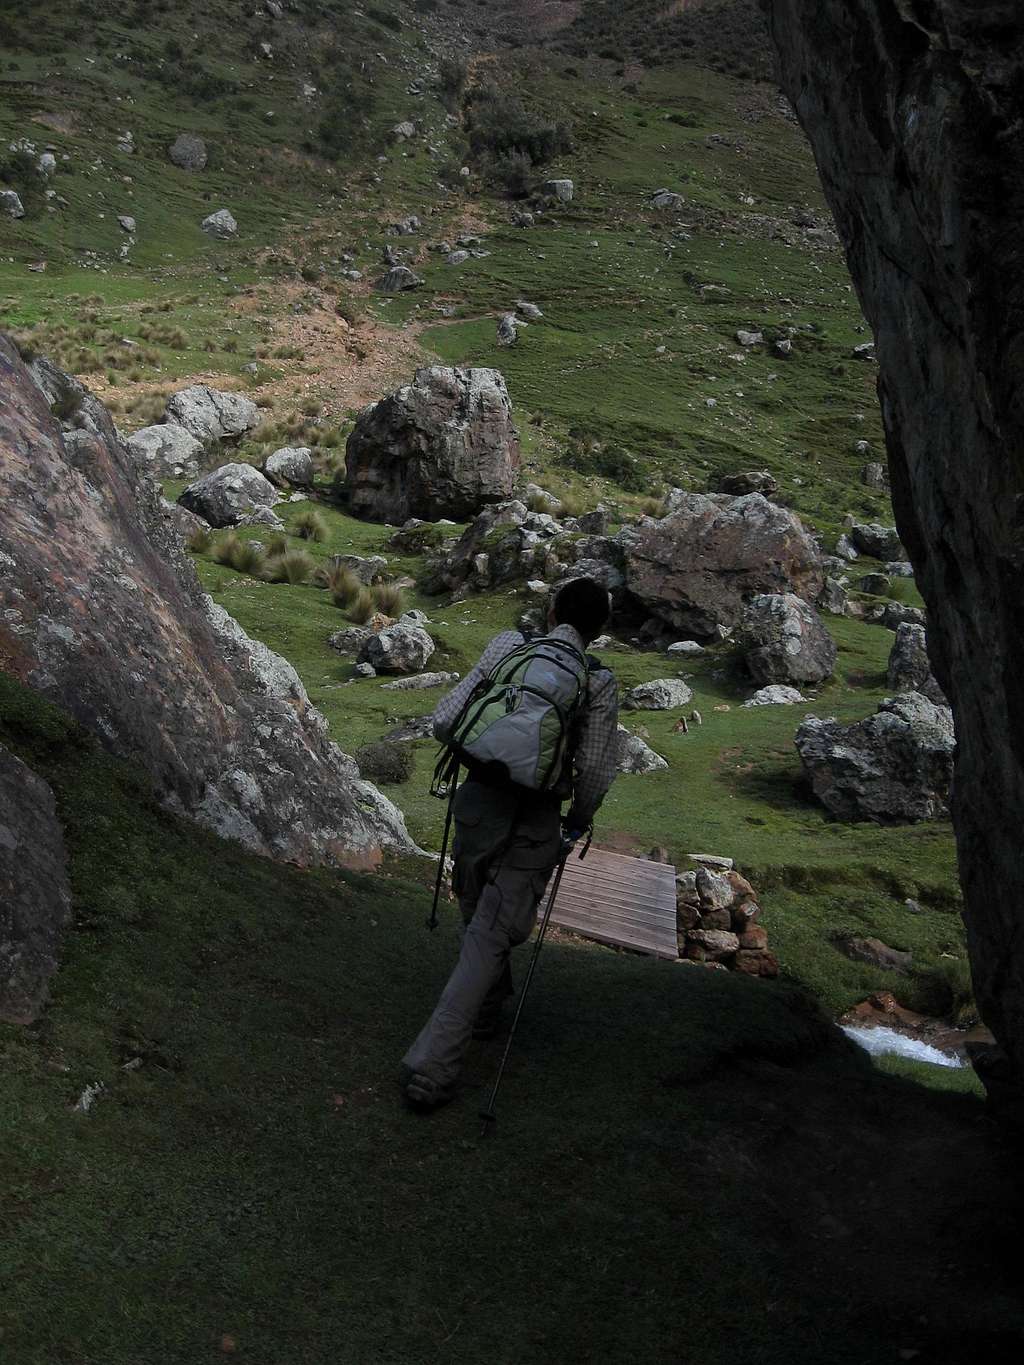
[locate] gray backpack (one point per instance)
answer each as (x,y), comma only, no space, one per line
(523,716)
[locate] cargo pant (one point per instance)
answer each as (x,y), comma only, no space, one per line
(505,848)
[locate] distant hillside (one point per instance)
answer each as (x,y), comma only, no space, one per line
(728,35)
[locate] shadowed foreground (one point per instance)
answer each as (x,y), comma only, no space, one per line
(687,1166)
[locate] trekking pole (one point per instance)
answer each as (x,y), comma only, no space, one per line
(432,920)
(488,1115)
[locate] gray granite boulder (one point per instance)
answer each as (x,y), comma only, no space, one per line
(634,755)
(212,414)
(397,649)
(909,668)
(661,694)
(290,465)
(220,224)
(225,496)
(881,542)
(167,450)
(895,767)
(188,151)
(695,568)
(783,640)
(442,446)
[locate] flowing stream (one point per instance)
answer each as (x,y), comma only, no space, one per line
(881,1041)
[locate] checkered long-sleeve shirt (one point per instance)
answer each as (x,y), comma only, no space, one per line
(595,761)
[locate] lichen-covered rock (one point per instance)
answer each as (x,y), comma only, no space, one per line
(909,668)
(226,495)
(748,481)
(167,450)
(634,756)
(661,694)
(220,224)
(694,568)
(291,465)
(561,189)
(212,414)
(442,446)
(35,896)
(894,767)
(10,203)
(398,279)
(350,640)
(397,649)
(369,569)
(101,611)
(188,151)
(784,640)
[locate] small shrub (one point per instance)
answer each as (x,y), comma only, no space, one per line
(362,607)
(388,598)
(310,525)
(200,540)
(238,554)
(385,763)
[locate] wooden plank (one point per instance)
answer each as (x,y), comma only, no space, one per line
(626,902)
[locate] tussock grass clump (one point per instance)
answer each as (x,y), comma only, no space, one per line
(388,599)
(385,763)
(341,583)
(362,607)
(238,554)
(294,566)
(652,507)
(200,540)
(310,525)
(277,545)
(572,505)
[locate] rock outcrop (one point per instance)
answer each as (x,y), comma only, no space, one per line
(35,897)
(914,114)
(442,446)
(695,568)
(895,767)
(212,414)
(784,640)
(101,611)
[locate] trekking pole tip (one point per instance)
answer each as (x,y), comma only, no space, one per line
(489,1117)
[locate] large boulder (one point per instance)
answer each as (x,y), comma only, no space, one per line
(442,446)
(784,640)
(397,649)
(188,152)
(10,203)
(212,414)
(635,756)
(695,568)
(167,450)
(291,465)
(661,694)
(35,897)
(918,145)
(102,612)
(220,224)
(881,542)
(894,767)
(227,495)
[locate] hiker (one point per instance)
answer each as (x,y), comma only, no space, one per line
(509,834)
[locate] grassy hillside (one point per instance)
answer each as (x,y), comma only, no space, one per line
(246,1183)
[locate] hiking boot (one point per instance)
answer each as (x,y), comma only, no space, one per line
(424,1094)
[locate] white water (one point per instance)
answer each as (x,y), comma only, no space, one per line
(886,1041)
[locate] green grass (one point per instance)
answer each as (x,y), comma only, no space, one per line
(248,1181)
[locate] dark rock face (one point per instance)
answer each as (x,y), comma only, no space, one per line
(895,767)
(101,612)
(785,641)
(695,568)
(442,446)
(35,898)
(914,114)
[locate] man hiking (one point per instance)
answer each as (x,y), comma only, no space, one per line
(543,712)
